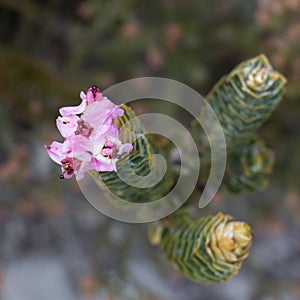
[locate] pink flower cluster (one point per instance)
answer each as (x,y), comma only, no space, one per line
(91,139)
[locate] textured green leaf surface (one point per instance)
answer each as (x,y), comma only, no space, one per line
(245,98)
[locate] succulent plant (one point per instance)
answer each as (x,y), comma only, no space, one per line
(209,249)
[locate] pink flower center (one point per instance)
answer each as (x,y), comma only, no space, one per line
(93,94)
(67,164)
(83,128)
(110,150)
(95,90)
(70,165)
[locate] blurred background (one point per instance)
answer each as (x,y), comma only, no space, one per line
(54,244)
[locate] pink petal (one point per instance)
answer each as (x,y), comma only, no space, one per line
(77,147)
(113,133)
(86,137)
(67,125)
(65,174)
(93,94)
(96,144)
(85,166)
(115,110)
(109,144)
(102,130)
(100,112)
(107,152)
(104,166)
(97,112)
(73,110)
(120,112)
(82,95)
(125,148)
(55,151)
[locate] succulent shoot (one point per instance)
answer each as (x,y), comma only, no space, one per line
(210,249)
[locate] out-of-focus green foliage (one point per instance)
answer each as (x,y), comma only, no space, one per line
(61,47)
(249,166)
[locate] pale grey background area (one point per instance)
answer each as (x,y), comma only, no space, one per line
(37,277)
(45,256)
